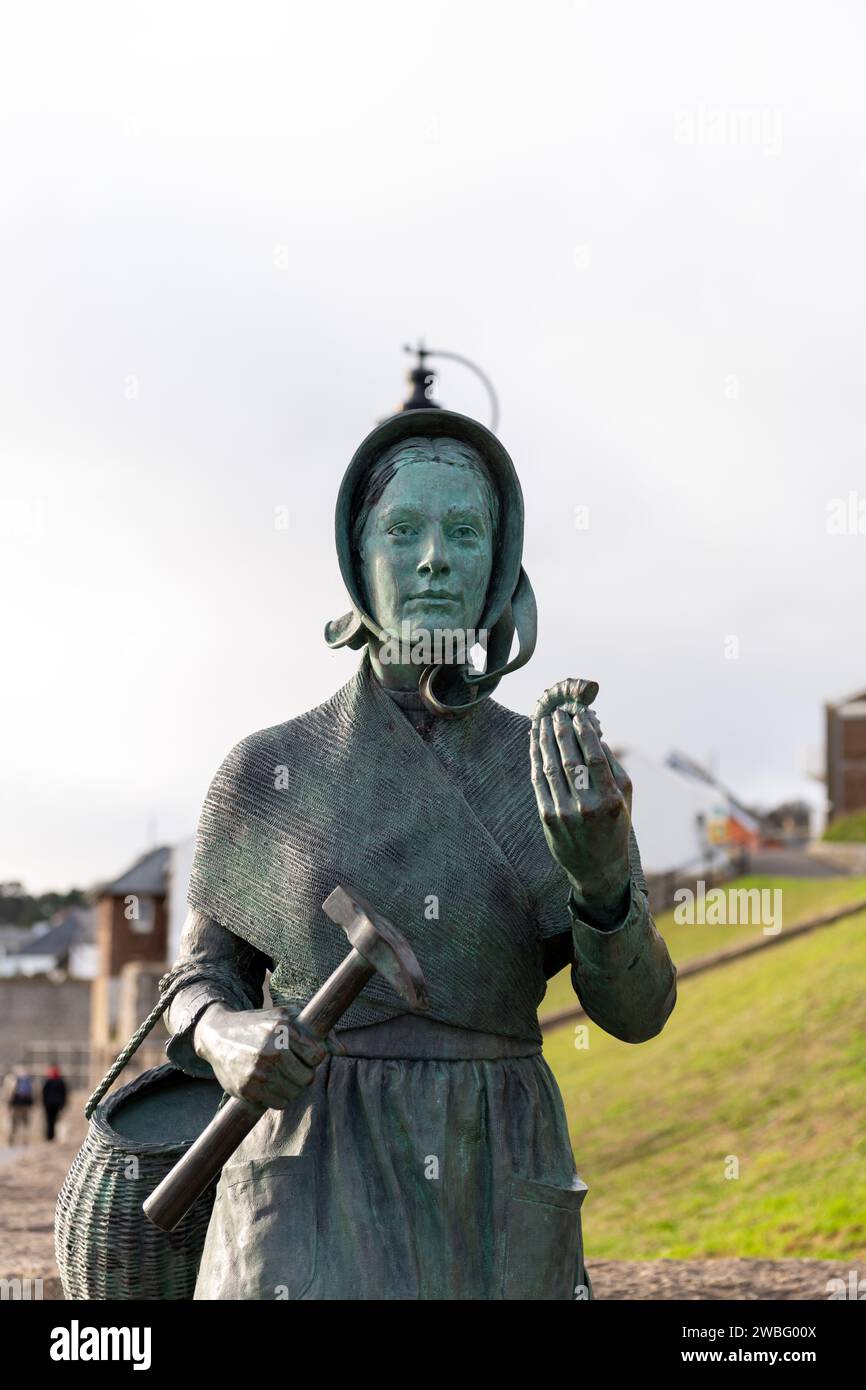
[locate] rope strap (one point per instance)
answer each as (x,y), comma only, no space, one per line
(169,986)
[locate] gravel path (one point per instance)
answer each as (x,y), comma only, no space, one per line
(31,1178)
(719,1279)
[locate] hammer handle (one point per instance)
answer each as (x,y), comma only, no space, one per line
(192,1174)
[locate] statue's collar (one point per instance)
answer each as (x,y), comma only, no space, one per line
(420,716)
(366,687)
(409,699)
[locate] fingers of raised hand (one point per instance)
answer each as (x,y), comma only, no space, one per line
(551,761)
(594,720)
(571,754)
(600,772)
(572,770)
(543,796)
(621,777)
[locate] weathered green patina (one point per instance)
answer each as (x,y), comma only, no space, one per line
(431,1160)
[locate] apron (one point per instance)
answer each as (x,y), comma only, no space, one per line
(405,1177)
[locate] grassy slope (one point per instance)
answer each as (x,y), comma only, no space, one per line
(848,828)
(764,1059)
(801,898)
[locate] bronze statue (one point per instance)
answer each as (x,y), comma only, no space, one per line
(415,1154)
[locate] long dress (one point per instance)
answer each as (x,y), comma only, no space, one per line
(433,1160)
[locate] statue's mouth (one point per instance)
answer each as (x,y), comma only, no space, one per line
(433,598)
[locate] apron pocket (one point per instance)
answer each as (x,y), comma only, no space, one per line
(543,1241)
(264,1244)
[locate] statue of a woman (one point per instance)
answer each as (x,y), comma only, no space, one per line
(415,1156)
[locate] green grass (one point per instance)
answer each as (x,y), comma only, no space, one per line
(848,828)
(802,898)
(763,1059)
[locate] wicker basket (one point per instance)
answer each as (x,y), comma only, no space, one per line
(105,1246)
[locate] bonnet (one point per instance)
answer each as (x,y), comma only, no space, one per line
(509,605)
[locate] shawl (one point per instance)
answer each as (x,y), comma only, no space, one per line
(438,830)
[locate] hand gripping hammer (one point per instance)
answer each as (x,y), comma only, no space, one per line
(376,946)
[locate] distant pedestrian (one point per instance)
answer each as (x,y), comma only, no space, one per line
(20,1101)
(53,1099)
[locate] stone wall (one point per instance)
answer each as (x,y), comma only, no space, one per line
(38,1010)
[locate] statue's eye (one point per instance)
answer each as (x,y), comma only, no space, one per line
(465,532)
(401,530)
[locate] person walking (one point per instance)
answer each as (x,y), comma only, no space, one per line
(20,1101)
(53,1099)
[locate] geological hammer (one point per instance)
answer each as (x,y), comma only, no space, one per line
(376,946)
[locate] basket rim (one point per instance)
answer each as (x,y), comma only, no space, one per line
(101,1118)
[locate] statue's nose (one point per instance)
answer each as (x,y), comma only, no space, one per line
(434,560)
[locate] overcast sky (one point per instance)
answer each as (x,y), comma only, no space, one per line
(220,224)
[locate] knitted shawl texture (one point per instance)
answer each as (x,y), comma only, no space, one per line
(440,833)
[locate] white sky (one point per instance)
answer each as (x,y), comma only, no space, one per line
(646,222)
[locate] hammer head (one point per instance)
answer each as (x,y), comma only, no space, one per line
(380,943)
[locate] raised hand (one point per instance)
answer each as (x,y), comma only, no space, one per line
(584,800)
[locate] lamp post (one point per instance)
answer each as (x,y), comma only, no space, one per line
(423,378)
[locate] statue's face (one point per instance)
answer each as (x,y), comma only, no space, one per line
(427,549)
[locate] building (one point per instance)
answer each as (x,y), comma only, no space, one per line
(787,824)
(179,870)
(45,988)
(846,755)
(131,939)
(73,991)
(62,948)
